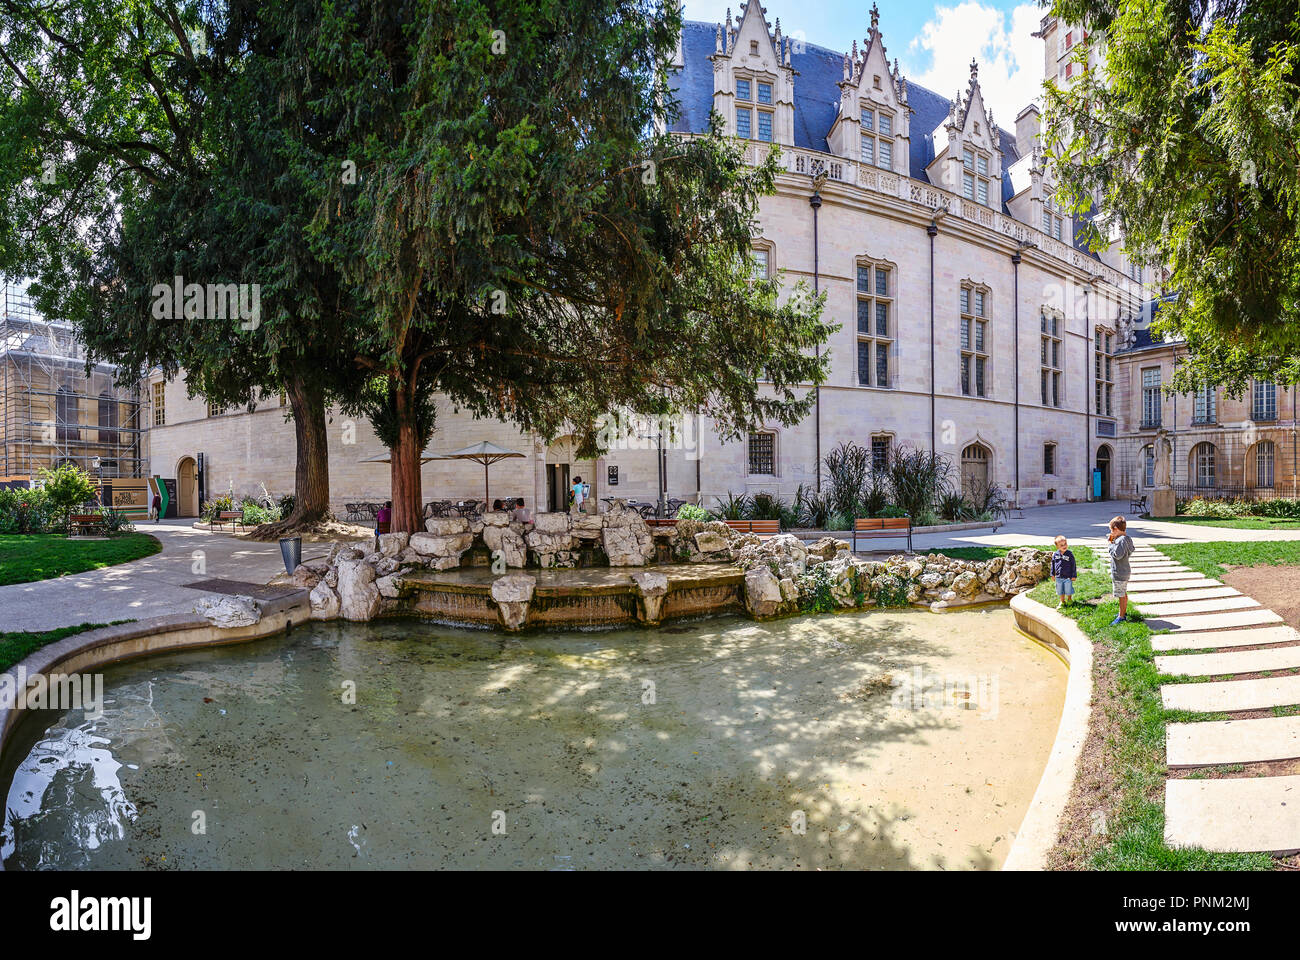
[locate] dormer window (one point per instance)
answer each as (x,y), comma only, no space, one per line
(753,48)
(974,177)
(876,82)
(877,138)
(754,122)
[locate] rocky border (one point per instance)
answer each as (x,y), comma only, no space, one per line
(1041,825)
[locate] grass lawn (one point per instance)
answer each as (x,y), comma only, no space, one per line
(1081,554)
(25,558)
(1236,523)
(1130,787)
(15,646)
(1207,558)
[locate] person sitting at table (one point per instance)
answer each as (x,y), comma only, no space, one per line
(522,514)
(497,505)
(383,517)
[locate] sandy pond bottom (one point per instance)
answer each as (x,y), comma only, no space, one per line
(697,746)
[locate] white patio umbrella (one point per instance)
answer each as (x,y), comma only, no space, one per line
(482,452)
(387,457)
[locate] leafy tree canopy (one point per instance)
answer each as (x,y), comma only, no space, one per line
(1188,144)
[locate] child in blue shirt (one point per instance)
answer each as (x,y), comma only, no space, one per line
(1065,571)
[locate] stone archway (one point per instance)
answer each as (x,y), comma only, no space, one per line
(1105,458)
(187,488)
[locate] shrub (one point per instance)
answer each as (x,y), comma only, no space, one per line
(954,506)
(216,505)
(919,478)
(689,511)
(67,488)
(848,467)
(25,511)
(256,513)
(115,521)
(1281,508)
(813,506)
(734,507)
(286,504)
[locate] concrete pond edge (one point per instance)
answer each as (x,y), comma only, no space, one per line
(1042,823)
(84,652)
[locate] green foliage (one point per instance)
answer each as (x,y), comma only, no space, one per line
(116,521)
(211,508)
(689,511)
(1187,139)
(954,506)
(734,507)
(25,511)
(67,487)
(815,591)
(848,469)
(1212,558)
(378,403)
(15,646)
(813,507)
(889,590)
(919,479)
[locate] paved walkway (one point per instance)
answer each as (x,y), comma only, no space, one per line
(153,587)
(1209,624)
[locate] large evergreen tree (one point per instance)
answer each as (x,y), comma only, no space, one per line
(144,142)
(529,245)
(1189,142)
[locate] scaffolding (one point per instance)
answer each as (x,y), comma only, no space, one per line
(53,409)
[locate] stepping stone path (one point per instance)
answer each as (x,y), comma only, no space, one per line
(1234,813)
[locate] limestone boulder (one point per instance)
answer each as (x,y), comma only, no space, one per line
(306,577)
(392,544)
(358,595)
(324,602)
(512,594)
(446,526)
(626,537)
(508,543)
(651,588)
(763,596)
(708,541)
(229,611)
(555,524)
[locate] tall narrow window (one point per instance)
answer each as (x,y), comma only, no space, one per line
(879,454)
(1264,401)
(1264,452)
(974,342)
(1149,466)
(975,180)
(1104,373)
(744,119)
(1203,457)
(159,404)
(877,128)
(1049,458)
(762,454)
(1151,397)
(754,116)
(875,306)
(67,415)
(758,262)
(1203,405)
(1050,360)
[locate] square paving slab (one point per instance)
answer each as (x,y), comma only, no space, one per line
(1234,661)
(1232,741)
(1213,621)
(1210,639)
(1171,596)
(1175,607)
(1250,814)
(1224,696)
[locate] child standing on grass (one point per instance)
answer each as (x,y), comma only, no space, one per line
(1120,549)
(1065,571)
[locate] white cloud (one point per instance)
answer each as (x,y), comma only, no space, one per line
(1010,58)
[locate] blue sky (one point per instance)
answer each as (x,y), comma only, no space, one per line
(934,42)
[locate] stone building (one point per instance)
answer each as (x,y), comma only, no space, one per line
(971,321)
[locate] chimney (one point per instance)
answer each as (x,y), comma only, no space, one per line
(1027,127)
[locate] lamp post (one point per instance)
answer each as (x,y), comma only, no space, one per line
(99,480)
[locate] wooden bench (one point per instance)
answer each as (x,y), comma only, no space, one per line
(232,517)
(764,528)
(873,528)
(85,523)
(661,521)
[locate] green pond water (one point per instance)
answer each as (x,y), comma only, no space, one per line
(867,740)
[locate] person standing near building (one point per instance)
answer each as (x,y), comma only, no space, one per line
(579,493)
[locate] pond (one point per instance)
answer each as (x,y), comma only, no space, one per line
(896,740)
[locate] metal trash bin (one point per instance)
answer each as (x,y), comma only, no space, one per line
(291,551)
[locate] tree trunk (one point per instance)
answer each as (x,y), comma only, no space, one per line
(311,489)
(405,474)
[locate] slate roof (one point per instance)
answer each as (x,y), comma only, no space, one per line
(816,101)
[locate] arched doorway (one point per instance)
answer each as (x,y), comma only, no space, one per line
(975,471)
(1103,465)
(563,469)
(187,488)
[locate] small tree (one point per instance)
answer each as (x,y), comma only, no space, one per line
(67,487)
